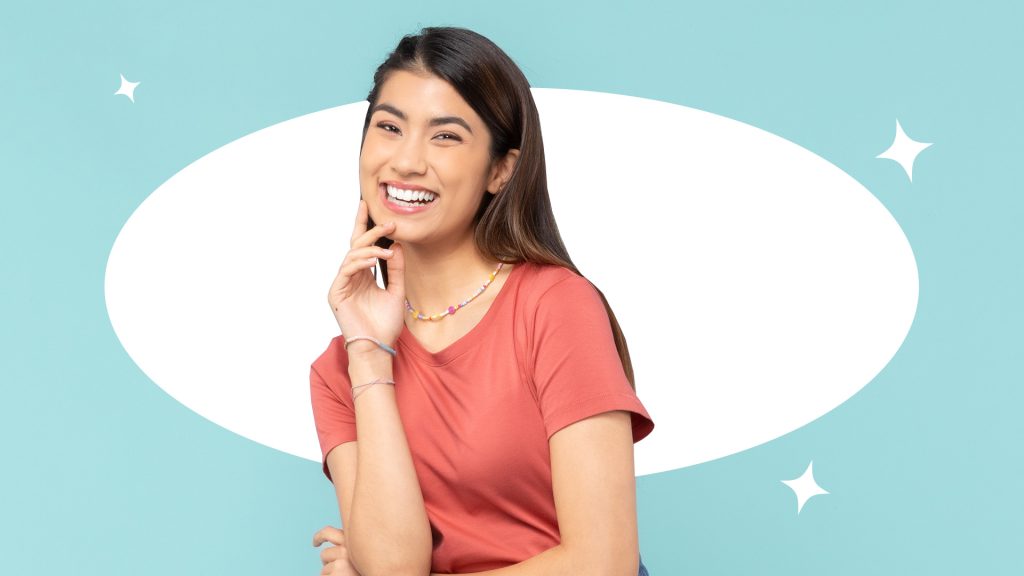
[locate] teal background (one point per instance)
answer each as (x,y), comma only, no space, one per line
(103,473)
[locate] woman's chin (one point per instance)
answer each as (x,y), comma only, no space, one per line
(405,239)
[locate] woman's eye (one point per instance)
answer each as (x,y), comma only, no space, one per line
(388,127)
(449,136)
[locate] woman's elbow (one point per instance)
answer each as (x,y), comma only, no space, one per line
(402,559)
(392,566)
(622,566)
(394,570)
(611,560)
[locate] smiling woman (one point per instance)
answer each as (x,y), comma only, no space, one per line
(422,137)
(497,433)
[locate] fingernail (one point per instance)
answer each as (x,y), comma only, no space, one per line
(388,252)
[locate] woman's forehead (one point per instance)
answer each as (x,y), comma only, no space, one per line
(421,97)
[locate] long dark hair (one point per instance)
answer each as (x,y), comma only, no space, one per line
(517,224)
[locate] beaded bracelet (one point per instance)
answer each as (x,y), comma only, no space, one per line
(377,381)
(382,345)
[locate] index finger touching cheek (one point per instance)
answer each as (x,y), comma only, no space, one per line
(361,220)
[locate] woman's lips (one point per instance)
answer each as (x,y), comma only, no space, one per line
(400,209)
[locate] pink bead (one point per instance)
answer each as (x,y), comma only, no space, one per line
(451,309)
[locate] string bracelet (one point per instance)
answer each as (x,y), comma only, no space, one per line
(368,384)
(380,344)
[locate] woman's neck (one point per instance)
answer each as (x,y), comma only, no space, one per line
(436,279)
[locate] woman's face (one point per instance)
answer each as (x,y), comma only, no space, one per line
(427,146)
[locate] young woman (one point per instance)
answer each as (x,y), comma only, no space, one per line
(478,415)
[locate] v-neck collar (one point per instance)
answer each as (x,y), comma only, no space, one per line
(408,341)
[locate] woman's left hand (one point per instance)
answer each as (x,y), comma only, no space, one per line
(334,558)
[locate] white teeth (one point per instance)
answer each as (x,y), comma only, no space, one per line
(409,195)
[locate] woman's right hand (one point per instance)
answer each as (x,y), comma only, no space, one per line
(335,559)
(360,306)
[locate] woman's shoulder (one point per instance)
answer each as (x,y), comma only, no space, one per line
(334,359)
(550,283)
(539,278)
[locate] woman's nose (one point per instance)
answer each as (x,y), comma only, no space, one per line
(410,157)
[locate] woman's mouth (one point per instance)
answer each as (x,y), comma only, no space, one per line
(406,201)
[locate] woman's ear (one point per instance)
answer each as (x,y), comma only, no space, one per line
(502,171)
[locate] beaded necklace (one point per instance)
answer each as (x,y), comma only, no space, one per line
(452,309)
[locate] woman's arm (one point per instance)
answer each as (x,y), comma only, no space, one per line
(385,521)
(388,531)
(594,487)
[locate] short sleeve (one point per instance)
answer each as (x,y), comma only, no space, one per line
(333,414)
(576,367)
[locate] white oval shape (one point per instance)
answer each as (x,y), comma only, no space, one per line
(759,285)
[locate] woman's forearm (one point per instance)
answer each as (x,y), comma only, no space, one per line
(551,561)
(559,560)
(389,532)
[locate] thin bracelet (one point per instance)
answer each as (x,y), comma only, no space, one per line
(377,381)
(382,345)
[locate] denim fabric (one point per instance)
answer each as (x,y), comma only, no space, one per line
(643,569)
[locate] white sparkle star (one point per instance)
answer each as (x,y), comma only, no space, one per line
(805,487)
(904,150)
(127,88)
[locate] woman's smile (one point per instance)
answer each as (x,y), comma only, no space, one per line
(404,198)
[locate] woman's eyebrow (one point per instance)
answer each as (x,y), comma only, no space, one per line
(433,121)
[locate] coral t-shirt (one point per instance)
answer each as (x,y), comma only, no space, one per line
(478,414)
